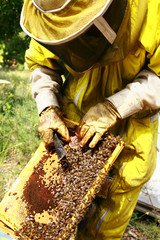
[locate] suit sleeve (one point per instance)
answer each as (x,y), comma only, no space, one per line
(45,77)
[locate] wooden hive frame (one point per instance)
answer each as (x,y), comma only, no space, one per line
(13,207)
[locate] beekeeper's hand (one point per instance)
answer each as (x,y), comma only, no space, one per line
(51,120)
(96,122)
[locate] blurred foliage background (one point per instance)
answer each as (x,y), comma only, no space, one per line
(13,41)
(18,113)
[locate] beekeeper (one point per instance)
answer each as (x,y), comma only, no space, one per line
(98,62)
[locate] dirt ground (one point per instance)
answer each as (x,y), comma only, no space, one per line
(133,233)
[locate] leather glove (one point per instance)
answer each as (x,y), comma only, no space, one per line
(51,120)
(96,122)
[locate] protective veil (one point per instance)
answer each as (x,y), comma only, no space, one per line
(80,46)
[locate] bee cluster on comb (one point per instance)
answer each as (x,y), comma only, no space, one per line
(67,192)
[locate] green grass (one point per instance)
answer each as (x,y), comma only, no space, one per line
(18,126)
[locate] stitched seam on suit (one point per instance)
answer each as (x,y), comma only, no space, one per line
(101,221)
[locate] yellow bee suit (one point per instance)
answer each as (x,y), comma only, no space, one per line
(136,47)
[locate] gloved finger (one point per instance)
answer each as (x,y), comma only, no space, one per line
(63,131)
(95,140)
(47,136)
(87,136)
(82,130)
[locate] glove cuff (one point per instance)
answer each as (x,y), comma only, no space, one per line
(109,105)
(126,103)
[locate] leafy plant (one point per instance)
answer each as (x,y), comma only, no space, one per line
(14,51)
(9,18)
(7,101)
(13,41)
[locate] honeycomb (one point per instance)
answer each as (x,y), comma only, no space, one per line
(51,197)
